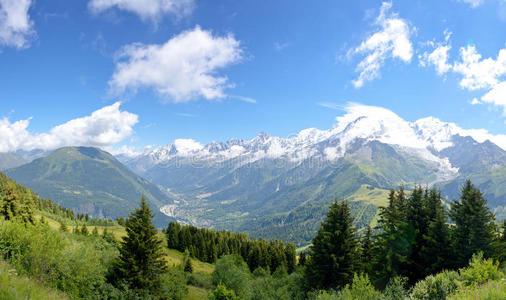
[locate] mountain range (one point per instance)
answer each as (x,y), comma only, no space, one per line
(280,187)
(275,187)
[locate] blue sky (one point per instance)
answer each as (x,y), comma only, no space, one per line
(214,70)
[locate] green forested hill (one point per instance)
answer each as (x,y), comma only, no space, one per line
(89,180)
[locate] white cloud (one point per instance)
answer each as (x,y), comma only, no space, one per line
(392,40)
(145,9)
(16,28)
(103,128)
(483,74)
(473,3)
(475,101)
(479,73)
(182,69)
(438,57)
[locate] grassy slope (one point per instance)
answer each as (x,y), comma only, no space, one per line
(173,257)
(13,286)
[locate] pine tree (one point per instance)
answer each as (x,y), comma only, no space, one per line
(436,248)
(63,226)
(95,231)
(10,205)
(335,251)
(141,263)
(393,243)
(367,251)
(416,216)
(474,225)
(84,230)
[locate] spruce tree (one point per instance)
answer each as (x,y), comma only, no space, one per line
(474,225)
(63,226)
(84,230)
(416,216)
(436,248)
(10,205)
(335,252)
(393,243)
(367,251)
(141,263)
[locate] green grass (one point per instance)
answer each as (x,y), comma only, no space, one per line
(196,293)
(492,290)
(14,287)
(175,257)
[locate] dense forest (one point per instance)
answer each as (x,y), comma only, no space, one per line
(420,248)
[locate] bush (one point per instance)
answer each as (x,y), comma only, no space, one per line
(492,290)
(361,288)
(73,264)
(222,293)
(480,271)
(234,274)
(437,286)
(396,289)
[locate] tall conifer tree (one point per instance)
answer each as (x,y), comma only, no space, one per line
(141,263)
(335,254)
(474,225)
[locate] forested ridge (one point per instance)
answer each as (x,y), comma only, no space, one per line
(419,249)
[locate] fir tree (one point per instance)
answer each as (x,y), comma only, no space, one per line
(474,225)
(9,207)
(436,248)
(393,243)
(95,231)
(84,230)
(367,251)
(335,251)
(63,226)
(141,263)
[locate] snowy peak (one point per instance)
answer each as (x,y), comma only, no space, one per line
(424,138)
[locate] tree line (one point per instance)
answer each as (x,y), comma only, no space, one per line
(209,245)
(412,239)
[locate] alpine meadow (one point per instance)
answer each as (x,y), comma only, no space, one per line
(252,150)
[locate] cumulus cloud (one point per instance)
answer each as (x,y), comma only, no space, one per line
(483,74)
(182,69)
(438,57)
(473,3)
(103,128)
(146,9)
(391,40)
(16,28)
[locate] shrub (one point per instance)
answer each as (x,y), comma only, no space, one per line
(437,286)
(480,271)
(233,273)
(361,288)
(396,289)
(492,290)
(222,293)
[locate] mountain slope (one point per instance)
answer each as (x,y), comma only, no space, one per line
(89,180)
(10,160)
(267,186)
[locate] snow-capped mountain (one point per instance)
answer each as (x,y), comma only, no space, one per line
(425,138)
(280,184)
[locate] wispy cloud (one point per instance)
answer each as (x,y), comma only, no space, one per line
(152,10)
(16,27)
(244,99)
(473,3)
(187,115)
(280,46)
(391,40)
(332,105)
